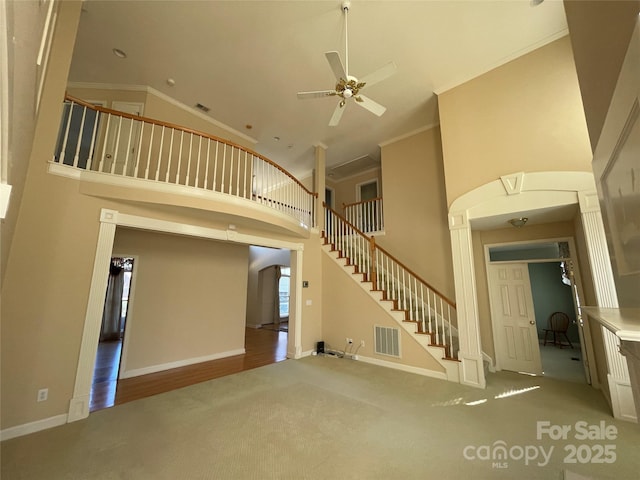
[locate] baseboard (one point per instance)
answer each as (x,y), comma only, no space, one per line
(399,366)
(136,372)
(32,427)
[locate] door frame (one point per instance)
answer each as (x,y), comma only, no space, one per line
(109,220)
(586,345)
(367,182)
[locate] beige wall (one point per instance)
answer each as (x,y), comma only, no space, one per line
(415,210)
(25,22)
(348,311)
(480,239)
(600,31)
(523,116)
(313,297)
(189,299)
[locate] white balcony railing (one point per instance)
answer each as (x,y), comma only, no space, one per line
(98,139)
(367,215)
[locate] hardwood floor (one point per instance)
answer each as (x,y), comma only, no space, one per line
(262,346)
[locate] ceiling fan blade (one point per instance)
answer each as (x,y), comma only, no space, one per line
(370,105)
(316,94)
(380,74)
(337,115)
(336,65)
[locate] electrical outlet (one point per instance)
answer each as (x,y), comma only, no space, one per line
(362,343)
(43,394)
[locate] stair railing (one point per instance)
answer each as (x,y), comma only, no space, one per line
(102,140)
(433,312)
(366,215)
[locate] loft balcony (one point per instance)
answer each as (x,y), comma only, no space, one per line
(120,155)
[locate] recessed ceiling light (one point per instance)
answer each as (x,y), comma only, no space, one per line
(119,53)
(277,139)
(171,82)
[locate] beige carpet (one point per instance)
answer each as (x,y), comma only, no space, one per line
(328,418)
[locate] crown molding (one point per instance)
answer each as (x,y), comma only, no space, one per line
(534,46)
(408,134)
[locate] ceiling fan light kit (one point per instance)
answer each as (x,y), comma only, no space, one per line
(348,86)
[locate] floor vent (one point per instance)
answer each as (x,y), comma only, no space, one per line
(387,341)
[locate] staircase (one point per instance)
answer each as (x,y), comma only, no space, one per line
(416,307)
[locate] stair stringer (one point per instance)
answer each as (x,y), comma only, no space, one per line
(451,367)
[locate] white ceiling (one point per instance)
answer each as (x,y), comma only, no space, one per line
(247,59)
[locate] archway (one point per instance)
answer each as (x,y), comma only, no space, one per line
(519,194)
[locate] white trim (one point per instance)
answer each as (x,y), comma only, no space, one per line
(4,97)
(367,182)
(405,368)
(109,219)
(409,134)
(530,48)
(166,98)
(135,372)
(32,427)
(5,196)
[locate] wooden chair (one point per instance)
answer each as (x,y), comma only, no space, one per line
(558,325)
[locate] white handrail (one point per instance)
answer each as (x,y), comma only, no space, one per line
(147,149)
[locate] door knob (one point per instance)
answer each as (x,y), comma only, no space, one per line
(532,322)
(108,155)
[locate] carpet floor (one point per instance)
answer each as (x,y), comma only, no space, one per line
(323,417)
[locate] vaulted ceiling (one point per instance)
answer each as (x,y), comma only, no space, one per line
(246,60)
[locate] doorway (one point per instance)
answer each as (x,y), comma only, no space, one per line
(112,333)
(528,283)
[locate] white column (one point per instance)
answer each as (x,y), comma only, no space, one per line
(470,354)
(79,404)
(319,180)
(294,349)
(619,382)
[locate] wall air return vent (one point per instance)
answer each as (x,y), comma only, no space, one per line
(387,341)
(203,108)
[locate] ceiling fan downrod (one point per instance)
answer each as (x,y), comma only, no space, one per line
(346,5)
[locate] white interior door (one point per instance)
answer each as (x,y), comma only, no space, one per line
(122,140)
(514,320)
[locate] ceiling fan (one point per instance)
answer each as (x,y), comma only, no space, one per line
(349,86)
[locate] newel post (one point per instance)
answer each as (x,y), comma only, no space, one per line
(372,252)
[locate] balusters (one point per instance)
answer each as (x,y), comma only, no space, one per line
(206,169)
(135,170)
(125,168)
(160,153)
(94,134)
(77,154)
(168,172)
(186,180)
